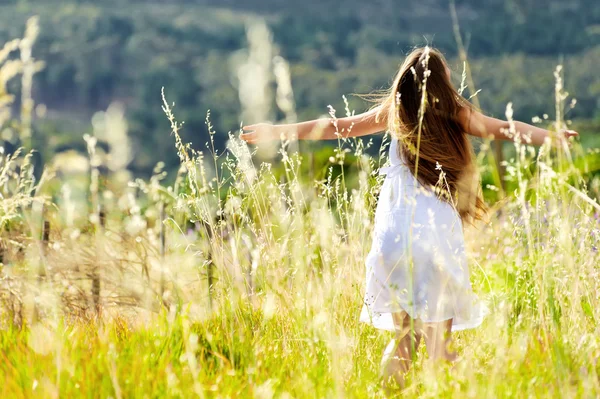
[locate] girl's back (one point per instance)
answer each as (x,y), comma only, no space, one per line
(417,262)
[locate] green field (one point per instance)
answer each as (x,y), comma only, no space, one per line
(286,267)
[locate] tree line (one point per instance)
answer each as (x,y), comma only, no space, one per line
(125,50)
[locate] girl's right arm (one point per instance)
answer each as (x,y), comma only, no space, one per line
(318,129)
(477,124)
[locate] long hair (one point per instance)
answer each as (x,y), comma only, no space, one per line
(421,110)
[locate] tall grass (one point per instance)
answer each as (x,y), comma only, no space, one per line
(258,288)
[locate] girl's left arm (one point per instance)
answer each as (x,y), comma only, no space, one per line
(317,129)
(477,124)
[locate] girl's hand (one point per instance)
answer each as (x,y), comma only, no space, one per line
(569,133)
(260,132)
(564,135)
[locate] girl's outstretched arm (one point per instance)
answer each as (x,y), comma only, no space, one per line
(318,129)
(477,124)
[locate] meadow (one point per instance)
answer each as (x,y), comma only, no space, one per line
(244,278)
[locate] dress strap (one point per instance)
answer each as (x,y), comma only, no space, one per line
(391,170)
(400,170)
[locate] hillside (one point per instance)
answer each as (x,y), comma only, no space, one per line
(127,50)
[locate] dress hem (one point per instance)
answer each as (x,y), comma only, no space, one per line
(457,324)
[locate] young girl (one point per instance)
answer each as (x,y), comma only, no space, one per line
(417,281)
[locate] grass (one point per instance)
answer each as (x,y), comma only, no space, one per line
(284,258)
(281,318)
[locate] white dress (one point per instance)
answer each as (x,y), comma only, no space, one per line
(411,223)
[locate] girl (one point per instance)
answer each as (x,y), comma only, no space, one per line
(417,281)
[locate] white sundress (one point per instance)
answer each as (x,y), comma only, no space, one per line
(411,223)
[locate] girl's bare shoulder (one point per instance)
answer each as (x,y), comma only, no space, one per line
(465,116)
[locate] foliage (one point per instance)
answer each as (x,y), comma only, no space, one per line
(126,51)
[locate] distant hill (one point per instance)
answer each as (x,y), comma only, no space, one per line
(99,52)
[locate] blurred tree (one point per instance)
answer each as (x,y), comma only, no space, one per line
(126,50)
